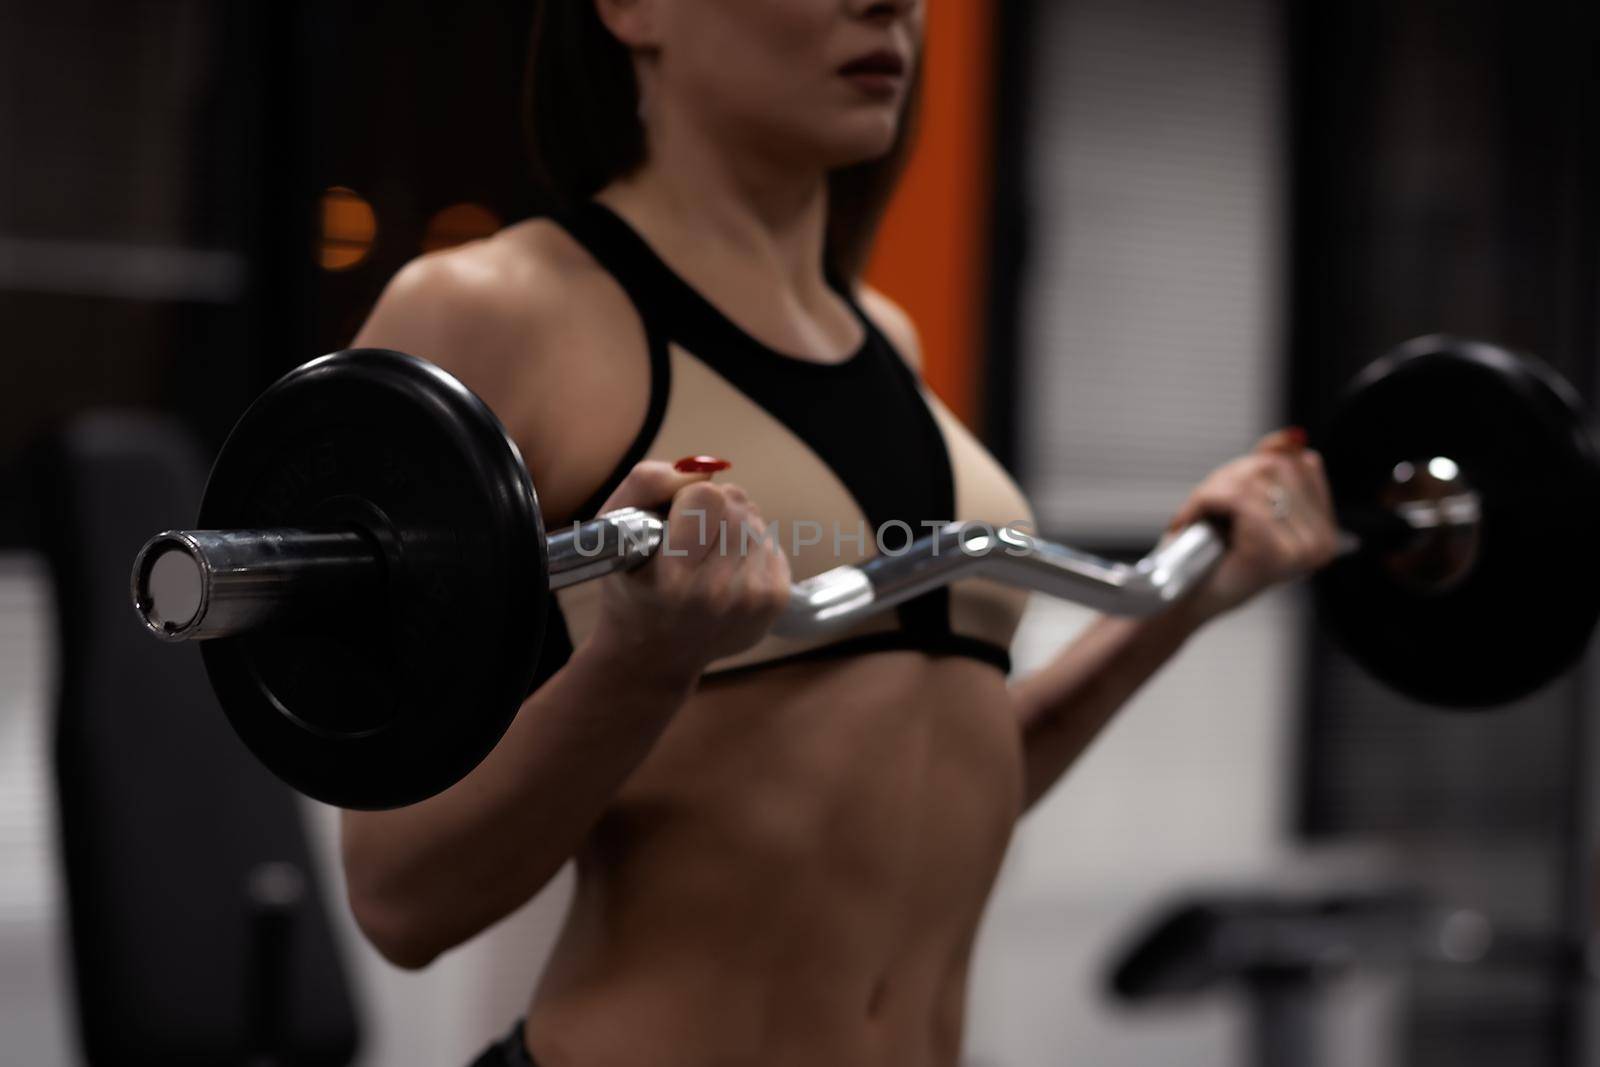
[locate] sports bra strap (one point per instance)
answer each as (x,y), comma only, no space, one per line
(625,256)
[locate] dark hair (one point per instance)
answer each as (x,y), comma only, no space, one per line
(581,119)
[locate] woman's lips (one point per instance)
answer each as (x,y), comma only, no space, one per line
(876,74)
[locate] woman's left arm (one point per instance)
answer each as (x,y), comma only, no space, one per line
(1278,512)
(1063,706)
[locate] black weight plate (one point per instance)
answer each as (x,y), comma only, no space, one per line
(388,699)
(1524,612)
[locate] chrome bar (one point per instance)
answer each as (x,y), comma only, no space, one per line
(839,597)
(193,585)
(844,595)
(616,541)
(836,598)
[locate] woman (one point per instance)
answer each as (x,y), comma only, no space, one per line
(783,847)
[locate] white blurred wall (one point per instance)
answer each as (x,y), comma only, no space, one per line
(1152,297)
(34,1025)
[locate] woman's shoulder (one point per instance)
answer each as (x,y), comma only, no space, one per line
(493,300)
(528,321)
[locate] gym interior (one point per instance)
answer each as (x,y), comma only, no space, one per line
(1134,236)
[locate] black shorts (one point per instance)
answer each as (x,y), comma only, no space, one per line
(509,1051)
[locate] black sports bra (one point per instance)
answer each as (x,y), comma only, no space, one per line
(845,460)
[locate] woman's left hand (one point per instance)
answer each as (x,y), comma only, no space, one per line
(1278,512)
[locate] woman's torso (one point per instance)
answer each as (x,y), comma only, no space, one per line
(796,872)
(794,875)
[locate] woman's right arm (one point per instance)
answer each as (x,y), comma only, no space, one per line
(424,878)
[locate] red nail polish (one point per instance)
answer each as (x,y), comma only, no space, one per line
(1297,436)
(700,465)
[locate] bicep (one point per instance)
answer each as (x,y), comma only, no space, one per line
(466,323)
(544,351)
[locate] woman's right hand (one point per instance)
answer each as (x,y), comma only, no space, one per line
(703,596)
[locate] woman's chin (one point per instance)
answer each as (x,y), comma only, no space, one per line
(862,142)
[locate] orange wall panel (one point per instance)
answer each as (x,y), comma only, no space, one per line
(931,254)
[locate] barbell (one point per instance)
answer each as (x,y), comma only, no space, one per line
(370,573)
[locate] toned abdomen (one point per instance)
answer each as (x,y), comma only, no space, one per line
(795,874)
